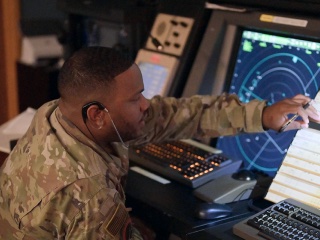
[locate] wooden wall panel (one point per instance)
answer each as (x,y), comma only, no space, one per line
(9,54)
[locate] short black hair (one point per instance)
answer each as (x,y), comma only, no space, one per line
(90,69)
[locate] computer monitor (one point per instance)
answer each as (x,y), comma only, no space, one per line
(258,55)
(157,71)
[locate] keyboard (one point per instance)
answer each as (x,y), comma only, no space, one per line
(185,161)
(288,219)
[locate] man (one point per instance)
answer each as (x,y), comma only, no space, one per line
(65,177)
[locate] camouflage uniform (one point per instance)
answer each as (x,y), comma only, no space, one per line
(58,184)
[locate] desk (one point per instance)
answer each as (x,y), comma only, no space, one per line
(169,209)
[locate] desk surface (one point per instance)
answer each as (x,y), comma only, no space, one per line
(172,205)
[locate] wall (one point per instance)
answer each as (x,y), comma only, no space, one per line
(40,9)
(9,53)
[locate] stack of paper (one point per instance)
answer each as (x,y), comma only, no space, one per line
(15,128)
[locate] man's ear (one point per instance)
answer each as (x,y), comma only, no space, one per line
(95,116)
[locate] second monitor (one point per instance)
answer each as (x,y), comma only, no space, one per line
(257,55)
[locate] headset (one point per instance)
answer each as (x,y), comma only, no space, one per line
(103,108)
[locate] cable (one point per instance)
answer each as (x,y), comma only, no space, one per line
(156,43)
(115,128)
(239,196)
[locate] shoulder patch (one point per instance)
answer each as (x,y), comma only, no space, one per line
(119,221)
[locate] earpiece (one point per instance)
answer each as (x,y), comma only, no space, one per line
(101,107)
(86,106)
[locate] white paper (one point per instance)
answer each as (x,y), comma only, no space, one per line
(20,123)
(15,129)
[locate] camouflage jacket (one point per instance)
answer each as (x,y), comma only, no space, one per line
(58,184)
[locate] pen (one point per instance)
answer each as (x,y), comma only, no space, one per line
(293,118)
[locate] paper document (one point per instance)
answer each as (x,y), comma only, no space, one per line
(15,128)
(299,174)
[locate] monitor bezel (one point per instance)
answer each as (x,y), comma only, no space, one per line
(210,73)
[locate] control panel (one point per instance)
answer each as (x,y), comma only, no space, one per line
(171,32)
